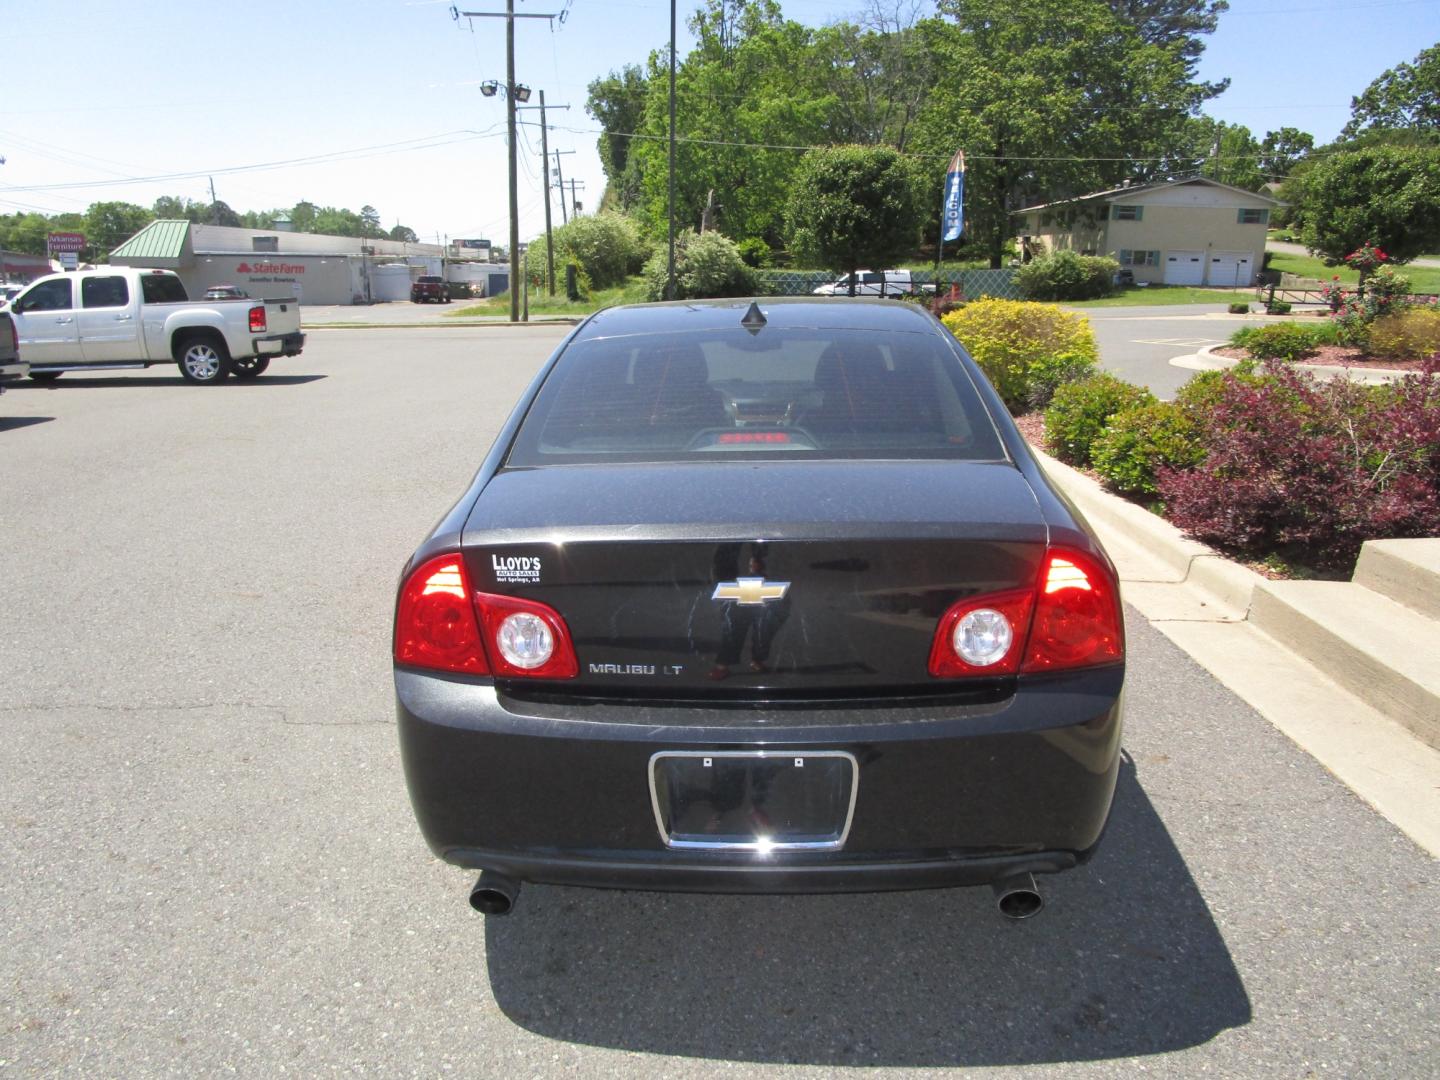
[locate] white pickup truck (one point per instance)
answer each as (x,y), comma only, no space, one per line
(875,283)
(122,317)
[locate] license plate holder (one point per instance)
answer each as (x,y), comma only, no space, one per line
(754,800)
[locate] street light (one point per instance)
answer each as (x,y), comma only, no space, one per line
(490,88)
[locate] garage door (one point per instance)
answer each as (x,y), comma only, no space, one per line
(1231,268)
(1184,267)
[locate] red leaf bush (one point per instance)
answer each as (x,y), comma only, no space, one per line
(1296,465)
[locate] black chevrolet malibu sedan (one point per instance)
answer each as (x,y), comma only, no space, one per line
(760,597)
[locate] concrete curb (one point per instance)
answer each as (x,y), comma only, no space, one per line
(559,320)
(1206,360)
(1201,601)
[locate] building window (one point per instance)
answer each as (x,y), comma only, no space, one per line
(1139,258)
(1254,217)
(265,243)
(1127,213)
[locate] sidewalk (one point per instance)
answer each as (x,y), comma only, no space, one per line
(1204,604)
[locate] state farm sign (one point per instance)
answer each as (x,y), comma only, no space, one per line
(270,268)
(65,241)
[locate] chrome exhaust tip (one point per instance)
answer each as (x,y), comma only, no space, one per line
(494,894)
(1017,896)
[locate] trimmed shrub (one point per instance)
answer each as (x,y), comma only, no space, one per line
(1277,307)
(1410,334)
(706,265)
(1139,441)
(1302,467)
(1081,410)
(1064,275)
(1239,309)
(1026,350)
(607,247)
(755,252)
(1283,342)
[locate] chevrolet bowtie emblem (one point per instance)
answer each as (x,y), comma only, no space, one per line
(751,590)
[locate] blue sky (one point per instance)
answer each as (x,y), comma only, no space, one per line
(104,92)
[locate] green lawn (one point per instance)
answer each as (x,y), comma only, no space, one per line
(1160,295)
(1423,279)
(541,303)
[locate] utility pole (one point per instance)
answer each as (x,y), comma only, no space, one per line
(549,236)
(213,211)
(560,178)
(670,262)
(574,206)
(545,165)
(509,16)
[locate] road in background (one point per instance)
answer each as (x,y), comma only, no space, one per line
(208,861)
(1138,343)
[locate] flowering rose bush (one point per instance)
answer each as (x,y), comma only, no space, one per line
(1366,259)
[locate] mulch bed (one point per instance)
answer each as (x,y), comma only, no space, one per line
(1336,356)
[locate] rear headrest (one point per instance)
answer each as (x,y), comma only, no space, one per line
(671,366)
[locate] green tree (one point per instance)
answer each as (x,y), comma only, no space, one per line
(1177,25)
(1283,150)
(1234,157)
(854,206)
(404,234)
(220,213)
(1049,99)
(110,224)
(1383,195)
(302,216)
(334,221)
(175,208)
(1406,96)
(370,221)
(744,102)
(618,103)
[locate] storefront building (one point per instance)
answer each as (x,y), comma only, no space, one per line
(275,264)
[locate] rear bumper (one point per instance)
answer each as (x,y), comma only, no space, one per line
(278,344)
(12,371)
(947,795)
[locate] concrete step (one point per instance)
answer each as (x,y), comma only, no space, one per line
(1404,570)
(1379,649)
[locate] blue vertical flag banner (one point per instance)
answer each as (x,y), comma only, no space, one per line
(954,198)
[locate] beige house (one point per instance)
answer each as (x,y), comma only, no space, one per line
(1182,232)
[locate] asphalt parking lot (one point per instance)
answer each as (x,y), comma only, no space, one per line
(208,862)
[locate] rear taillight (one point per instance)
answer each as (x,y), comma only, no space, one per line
(257,319)
(1077,615)
(435,624)
(526,639)
(1070,619)
(982,636)
(441,624)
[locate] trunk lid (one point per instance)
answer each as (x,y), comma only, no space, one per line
(756,580)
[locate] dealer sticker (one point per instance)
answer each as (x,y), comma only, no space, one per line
(516,569)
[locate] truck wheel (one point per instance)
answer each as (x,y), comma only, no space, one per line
(45,376)
(202,359)
(250,367)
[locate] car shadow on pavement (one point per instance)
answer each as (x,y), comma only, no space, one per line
(11,423)
(1125,960)
(163,380)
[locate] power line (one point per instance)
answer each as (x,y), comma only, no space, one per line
(404,146)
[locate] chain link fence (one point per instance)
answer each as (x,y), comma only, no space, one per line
(972,284)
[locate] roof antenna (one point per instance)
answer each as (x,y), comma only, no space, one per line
(754,319)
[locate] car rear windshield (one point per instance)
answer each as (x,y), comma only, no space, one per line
(781,393)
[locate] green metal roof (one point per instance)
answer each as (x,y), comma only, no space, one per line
(158,240)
